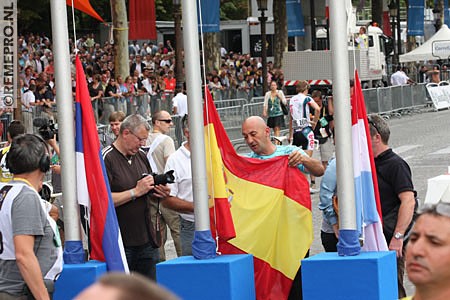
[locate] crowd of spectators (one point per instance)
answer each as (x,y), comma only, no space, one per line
(151,72)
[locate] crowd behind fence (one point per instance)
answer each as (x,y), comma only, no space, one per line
(394,100)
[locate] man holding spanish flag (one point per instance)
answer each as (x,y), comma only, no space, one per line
(257,136)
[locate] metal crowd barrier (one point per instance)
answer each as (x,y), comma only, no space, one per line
(395,100)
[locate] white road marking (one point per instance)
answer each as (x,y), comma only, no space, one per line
(405,148)
(442,151)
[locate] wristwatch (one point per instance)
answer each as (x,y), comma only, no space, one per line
(399,236)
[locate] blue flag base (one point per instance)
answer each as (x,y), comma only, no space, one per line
(203,245)
(348,243)
(368,276)
(76,277)
(226,277)
(73,252)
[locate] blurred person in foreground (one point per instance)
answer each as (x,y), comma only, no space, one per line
(120,286)
(428,253)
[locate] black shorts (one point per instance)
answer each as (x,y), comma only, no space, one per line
(299,140)
(303,142)
(277,121)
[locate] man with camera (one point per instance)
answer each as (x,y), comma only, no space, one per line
(126,164)
(31,252)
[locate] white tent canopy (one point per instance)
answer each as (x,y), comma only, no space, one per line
(440,41)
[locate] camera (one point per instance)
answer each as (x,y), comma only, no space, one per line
(165,178)
(47,129)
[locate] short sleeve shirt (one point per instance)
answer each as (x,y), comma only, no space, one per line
(279,151)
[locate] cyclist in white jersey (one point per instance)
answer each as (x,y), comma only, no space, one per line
(300,130)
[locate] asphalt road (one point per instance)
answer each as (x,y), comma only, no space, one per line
(422,139)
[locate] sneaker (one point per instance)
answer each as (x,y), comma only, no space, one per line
(313,190)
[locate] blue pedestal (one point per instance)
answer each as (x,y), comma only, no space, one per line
(226,277)
(368,276)
(75,278)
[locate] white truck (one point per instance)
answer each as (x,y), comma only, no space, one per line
(315,66)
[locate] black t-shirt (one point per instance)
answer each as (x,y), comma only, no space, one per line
(394,177)
(123,174)
(93,92)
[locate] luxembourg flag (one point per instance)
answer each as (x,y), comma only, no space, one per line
(368,207)
(92,184)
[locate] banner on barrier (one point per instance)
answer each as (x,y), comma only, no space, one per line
(440,95)
(8,53)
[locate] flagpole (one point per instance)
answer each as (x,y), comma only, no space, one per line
(194,92)
(65,112)
(343,130)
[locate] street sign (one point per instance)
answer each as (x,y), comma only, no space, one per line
(441,49)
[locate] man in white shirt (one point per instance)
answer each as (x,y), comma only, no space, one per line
(399,77)
(179,109)
(181,198)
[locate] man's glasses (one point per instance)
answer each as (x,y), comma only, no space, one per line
(168,121)
(140,139)
(443,208)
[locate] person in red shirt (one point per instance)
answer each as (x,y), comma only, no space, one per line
(170,82)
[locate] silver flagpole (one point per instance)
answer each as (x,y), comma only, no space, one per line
(343,125)
(66,117)
(194,93)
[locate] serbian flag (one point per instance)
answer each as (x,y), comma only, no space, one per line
(85,6)
(142,20)
(271,210)
(92,183)
(368,207)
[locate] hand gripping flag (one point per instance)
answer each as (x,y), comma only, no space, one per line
(85,6)
(368,208)
(271,212)
(92,183)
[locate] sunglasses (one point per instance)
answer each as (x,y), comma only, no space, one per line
(168,121)
(441,208)
(373,124)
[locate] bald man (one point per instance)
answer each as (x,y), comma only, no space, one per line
(257,136)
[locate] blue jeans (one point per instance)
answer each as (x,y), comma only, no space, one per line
(186,236)
(143,259)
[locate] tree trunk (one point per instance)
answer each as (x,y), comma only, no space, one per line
(280,34)
(120,35)
(212,53)
(377,11)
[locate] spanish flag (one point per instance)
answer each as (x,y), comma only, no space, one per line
(270,209)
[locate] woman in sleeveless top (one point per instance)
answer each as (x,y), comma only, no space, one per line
(272,108)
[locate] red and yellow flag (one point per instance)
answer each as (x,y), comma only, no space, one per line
(270,209)
(85,6)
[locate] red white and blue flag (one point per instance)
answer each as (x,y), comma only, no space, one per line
(92,183)
(368,207)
